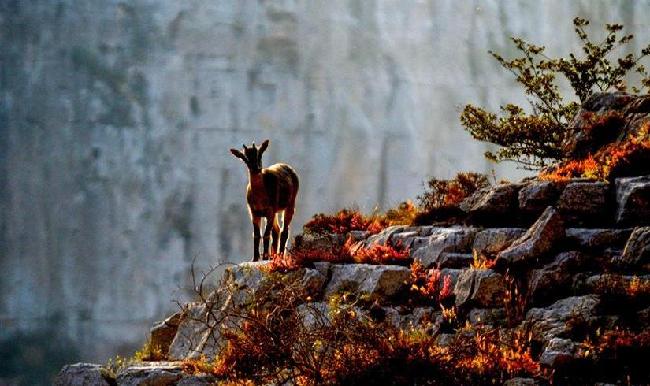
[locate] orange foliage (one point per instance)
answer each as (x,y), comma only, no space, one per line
(600,165)
(480,261)
(344,221)
(377,253)
(493,354)
(349,252)
(427,282)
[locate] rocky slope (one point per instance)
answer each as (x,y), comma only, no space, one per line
(116,117)
(562,260)
(568,264)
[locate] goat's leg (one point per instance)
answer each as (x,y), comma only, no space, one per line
(267,236)
(275,235)
(288,216)
(256,237)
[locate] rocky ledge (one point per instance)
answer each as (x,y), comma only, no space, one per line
(572,275)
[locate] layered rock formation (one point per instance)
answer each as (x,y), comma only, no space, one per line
(567,272)
(115,118)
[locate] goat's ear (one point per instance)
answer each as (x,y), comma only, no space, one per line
(238,154)
(263,146)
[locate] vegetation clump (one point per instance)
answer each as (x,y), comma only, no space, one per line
(349,252)
(535,138)
(441,200)
(343,222)
(336,343)
(613,160)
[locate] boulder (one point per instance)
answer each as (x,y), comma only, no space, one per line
(318,241)
(559,353)
(584,202)
(487,316)
(536,242)
(199,330)
(493,240)
(552,321)
(386,235)
(82,374)
(197,380)
(405,239)
(553,279)
(422,317)
(151,373)
(192,333)
(597,239)
(480,287)
(601,102)
(633,200)
(486,205)
(591,131)
(637,249)
(519,381)
(162,333)
(377,282)
(456,240)
(537,195)
(455,260)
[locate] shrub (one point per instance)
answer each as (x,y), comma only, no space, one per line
(532,139)
(350,252)
(614,160)
(402,214)
(441,199)
(429,283)
(306,344)
(344,221)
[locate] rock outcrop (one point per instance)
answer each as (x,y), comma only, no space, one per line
(554,262)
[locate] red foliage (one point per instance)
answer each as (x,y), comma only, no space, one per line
(349,252)
(602,164)
(377,253)
(344,221)
(427,282)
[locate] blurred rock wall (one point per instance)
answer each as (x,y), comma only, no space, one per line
(116,118)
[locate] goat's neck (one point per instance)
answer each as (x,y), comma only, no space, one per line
(255,180)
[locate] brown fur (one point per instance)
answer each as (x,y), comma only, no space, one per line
(270,191)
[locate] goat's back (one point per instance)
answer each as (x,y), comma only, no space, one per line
(281,182)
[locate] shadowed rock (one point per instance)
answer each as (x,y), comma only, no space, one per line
(162,333)
(155,374)
(637,249)
(454,240)
(553,279)
(488,205)
(537,195)
(551,322)
(83,374)
(480,287)
(379,282)
(585,202)
(597,239)
(494,240)
(633,200)
(536,242)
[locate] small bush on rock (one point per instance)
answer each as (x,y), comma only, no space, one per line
(613,160)
(301,343)
(534,138)
(441,199)
(344,221)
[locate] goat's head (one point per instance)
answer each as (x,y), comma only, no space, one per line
(252,156)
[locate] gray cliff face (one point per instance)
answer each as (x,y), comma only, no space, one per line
(116,118)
